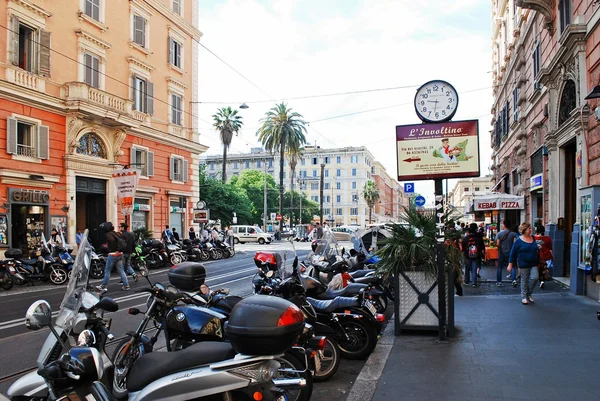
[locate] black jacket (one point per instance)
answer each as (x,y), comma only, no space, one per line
(128,235)
(112,241)
(478,241)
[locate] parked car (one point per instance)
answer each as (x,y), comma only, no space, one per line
(250,234)
(343,233)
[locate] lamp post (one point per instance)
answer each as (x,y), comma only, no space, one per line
(333,219)
(300,183)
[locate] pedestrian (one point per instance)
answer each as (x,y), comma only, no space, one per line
(544,243)
(192,234)
(78,237)
(175,234)
(473,249)
(128,236)
(319,231)
(204,234)
(55,239)
(167,234)
(230,240)
(526,255)
(453,245)
(116,246)
(504,242)
(214,234)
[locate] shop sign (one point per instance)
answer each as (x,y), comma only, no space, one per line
(142,207)
(28,196)
(126,181)
(201,215)
(536,182)
(177,209)
(499,204)
(441,150)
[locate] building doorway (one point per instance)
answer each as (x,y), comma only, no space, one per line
(91,207)
(27,225)
(570,205)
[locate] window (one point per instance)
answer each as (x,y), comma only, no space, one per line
(271,163)
(326,173)
(353,184)
(284,177)
(258,163)
(90,144)
(339,159)
(353,211)
(92,9)
(92,70)
(466,189)
(143,161)
(139,30)
(353,159)
(515,102)
(177,6)
(568,102)
(143,95)
(487,188)
(564,8)
(212,166)
(304,174)
(373,170)
(476,189)
(537,162)
(175,50)
(176,110)
(314,198)
(354,198)
(515,178)
(235,165)
(315,160)
(536,66)
(314,173)
(338,172)
(247,163)
(303,161)
(27,53)
(29,47)
(338,185)
(338,198)
(327,161)
(353,172)
(325,185)
(178,171)
(25,140)
(326,211)
(338,211)
(314,185)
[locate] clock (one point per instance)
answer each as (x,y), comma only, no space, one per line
(200,205)
(436,101)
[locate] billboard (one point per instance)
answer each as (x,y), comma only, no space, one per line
(442,150)
(126,181)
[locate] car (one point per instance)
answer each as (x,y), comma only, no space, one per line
(343,233)
(250,234)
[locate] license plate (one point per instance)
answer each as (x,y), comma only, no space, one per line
(370,307)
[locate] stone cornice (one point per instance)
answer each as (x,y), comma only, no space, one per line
(544,7)
(94,39)
(176,83)
(137,62)
(180,22)
(33,8)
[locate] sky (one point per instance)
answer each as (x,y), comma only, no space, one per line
(286,49)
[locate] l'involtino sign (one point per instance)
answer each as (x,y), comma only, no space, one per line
(442,150)
(126,181)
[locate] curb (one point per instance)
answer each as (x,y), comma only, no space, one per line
(366,382)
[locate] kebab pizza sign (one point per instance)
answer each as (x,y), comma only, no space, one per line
(498,204)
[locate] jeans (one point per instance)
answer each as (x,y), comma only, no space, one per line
(502,263)
(127,264)
(111,261)
(471,267)
(529,278)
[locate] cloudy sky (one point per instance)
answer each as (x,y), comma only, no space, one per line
(297,48)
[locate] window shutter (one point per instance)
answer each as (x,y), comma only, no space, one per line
(150,163)
(133,91)
(14,48)
(43,142)
(178,55)
(143,31)
(185,170)
(172,168)
(95,72)
(45,44)
(11,136)
(132,158)
(87,62)
(171,54)
(149,98)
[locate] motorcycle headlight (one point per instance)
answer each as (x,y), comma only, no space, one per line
(11,269)
(259,372)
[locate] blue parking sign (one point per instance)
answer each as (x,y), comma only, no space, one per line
(409,187)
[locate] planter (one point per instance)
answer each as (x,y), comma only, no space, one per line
(417,306)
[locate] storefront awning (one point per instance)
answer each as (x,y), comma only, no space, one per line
(498,201)
(499,182)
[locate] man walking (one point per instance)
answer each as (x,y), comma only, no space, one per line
(473,249)
(319,231)
(167,234)
(128,236)
(504,241)
(116,246)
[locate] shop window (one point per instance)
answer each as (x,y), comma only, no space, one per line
(141,214)
(179,167)
(175,52)
(27,139)
(143,95)
(568,102)
(143,160)
(91,145)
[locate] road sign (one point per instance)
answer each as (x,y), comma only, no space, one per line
(278,217)
(441,150)
(201,215)
(273,215)
(409,187)
(420,201)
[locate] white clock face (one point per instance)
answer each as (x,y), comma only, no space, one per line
(436,101)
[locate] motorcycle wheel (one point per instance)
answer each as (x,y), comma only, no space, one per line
(204,256)
(184,256)
(6,281)
(123,359)
(329,359)
(19,281)
(58,275)
(96,270)
(292,368)
(140,265)
(216,254)
(361,341)
(153,261)
(176,259)
(230,252)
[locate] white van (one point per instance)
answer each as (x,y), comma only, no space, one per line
(250,234)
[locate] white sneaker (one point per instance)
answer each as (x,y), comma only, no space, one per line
(542,285)
(514,283)
(524,301)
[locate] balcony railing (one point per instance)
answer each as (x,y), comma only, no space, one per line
(25,79)
(25,150)
(79,91)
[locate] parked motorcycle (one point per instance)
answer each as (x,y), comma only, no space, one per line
(42,267)
(154,253)
(6,278)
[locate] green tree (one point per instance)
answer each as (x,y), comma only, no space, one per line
(309,208)
(371,194)
(224,199)
(227,122)
(282,130)
(252,183)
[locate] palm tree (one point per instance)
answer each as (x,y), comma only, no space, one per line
(293,155)
(282,130)
(371,194)
(227,122)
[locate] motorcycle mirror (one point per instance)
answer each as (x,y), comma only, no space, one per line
(204,289)
(144,272)
(38,315)
(107,304)
(270,273)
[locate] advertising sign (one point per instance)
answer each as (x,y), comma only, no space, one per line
(201,215)
(126,181)
(442,150)
(536,182)
(499,202)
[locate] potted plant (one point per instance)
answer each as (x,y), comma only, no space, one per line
(410,256)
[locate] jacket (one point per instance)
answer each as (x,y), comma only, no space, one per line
(478,241)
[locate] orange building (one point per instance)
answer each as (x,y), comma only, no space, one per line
(390,202)
(88,87)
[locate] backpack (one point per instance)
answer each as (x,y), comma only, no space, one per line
(121,243)
(472,248)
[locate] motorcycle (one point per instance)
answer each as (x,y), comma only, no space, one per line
(98,263)
(153,253)
(6,278)
(42,267)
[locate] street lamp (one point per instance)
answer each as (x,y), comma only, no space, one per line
(333,219)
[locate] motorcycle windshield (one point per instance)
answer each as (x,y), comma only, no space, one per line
(76,289)
(327,247)
(45,243)
(288,252)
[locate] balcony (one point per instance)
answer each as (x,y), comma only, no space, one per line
(24,78)
(544,7)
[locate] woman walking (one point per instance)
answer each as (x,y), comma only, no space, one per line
(525,254)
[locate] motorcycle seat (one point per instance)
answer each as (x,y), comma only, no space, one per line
(349,291)
(370,280)
(29,262)
(361,273)
(332,305)
(153,366)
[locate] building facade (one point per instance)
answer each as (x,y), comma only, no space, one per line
(545,63)
(88,87)
(346,171)
(465,190)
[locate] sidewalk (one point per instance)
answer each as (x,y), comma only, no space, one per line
(502,351)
